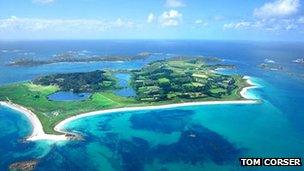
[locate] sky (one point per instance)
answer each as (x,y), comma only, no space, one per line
(266,20)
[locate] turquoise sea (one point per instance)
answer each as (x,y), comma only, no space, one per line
(185,138)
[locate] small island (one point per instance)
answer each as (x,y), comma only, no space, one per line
(159,84)
(299,61)
(74,57)
(270,65)
(24,165)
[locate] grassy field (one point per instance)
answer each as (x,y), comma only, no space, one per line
(186,79)
(50,113)
(34,97)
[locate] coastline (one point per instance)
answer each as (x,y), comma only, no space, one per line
(39,134)
(244,91)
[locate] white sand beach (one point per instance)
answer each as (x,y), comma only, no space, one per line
(39,134)
(244,91)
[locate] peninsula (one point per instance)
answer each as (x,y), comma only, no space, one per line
(160,84)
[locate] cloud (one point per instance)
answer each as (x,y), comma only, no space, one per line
(151,18)
(167,18)
(200,22)
(276,16)
(278,8)
(43,1)
(32,25)
(120,23)
(237,25)
(170,18)
(273,25)
(301,20)
(174,3)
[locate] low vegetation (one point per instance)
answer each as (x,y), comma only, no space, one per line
(160,82)
(182,79)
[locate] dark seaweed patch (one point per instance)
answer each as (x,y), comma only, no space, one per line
(61,160)
(165,121)
(196,145)
(134,154)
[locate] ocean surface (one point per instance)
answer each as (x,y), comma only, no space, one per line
(186,138)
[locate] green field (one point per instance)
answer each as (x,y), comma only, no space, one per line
(162,82)
(34,97)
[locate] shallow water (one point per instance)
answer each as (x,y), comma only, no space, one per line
(185,138)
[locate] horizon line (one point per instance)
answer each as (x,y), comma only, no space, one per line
(152,39)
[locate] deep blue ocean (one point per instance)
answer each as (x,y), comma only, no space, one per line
(185,138)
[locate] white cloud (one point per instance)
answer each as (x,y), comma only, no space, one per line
(170,18)
(301,20)
(237,25)
(278,8)
(273,24)
(151,18)
(43,1)
(15,24)
(275,16)
(291,26)
(200,22)
(174,3)
(119,23)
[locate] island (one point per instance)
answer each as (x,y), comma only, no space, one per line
(73,57)
(23,166)
(271,67)
(299,61)
(159,84)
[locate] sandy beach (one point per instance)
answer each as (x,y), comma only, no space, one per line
(244,91)
(39,134)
